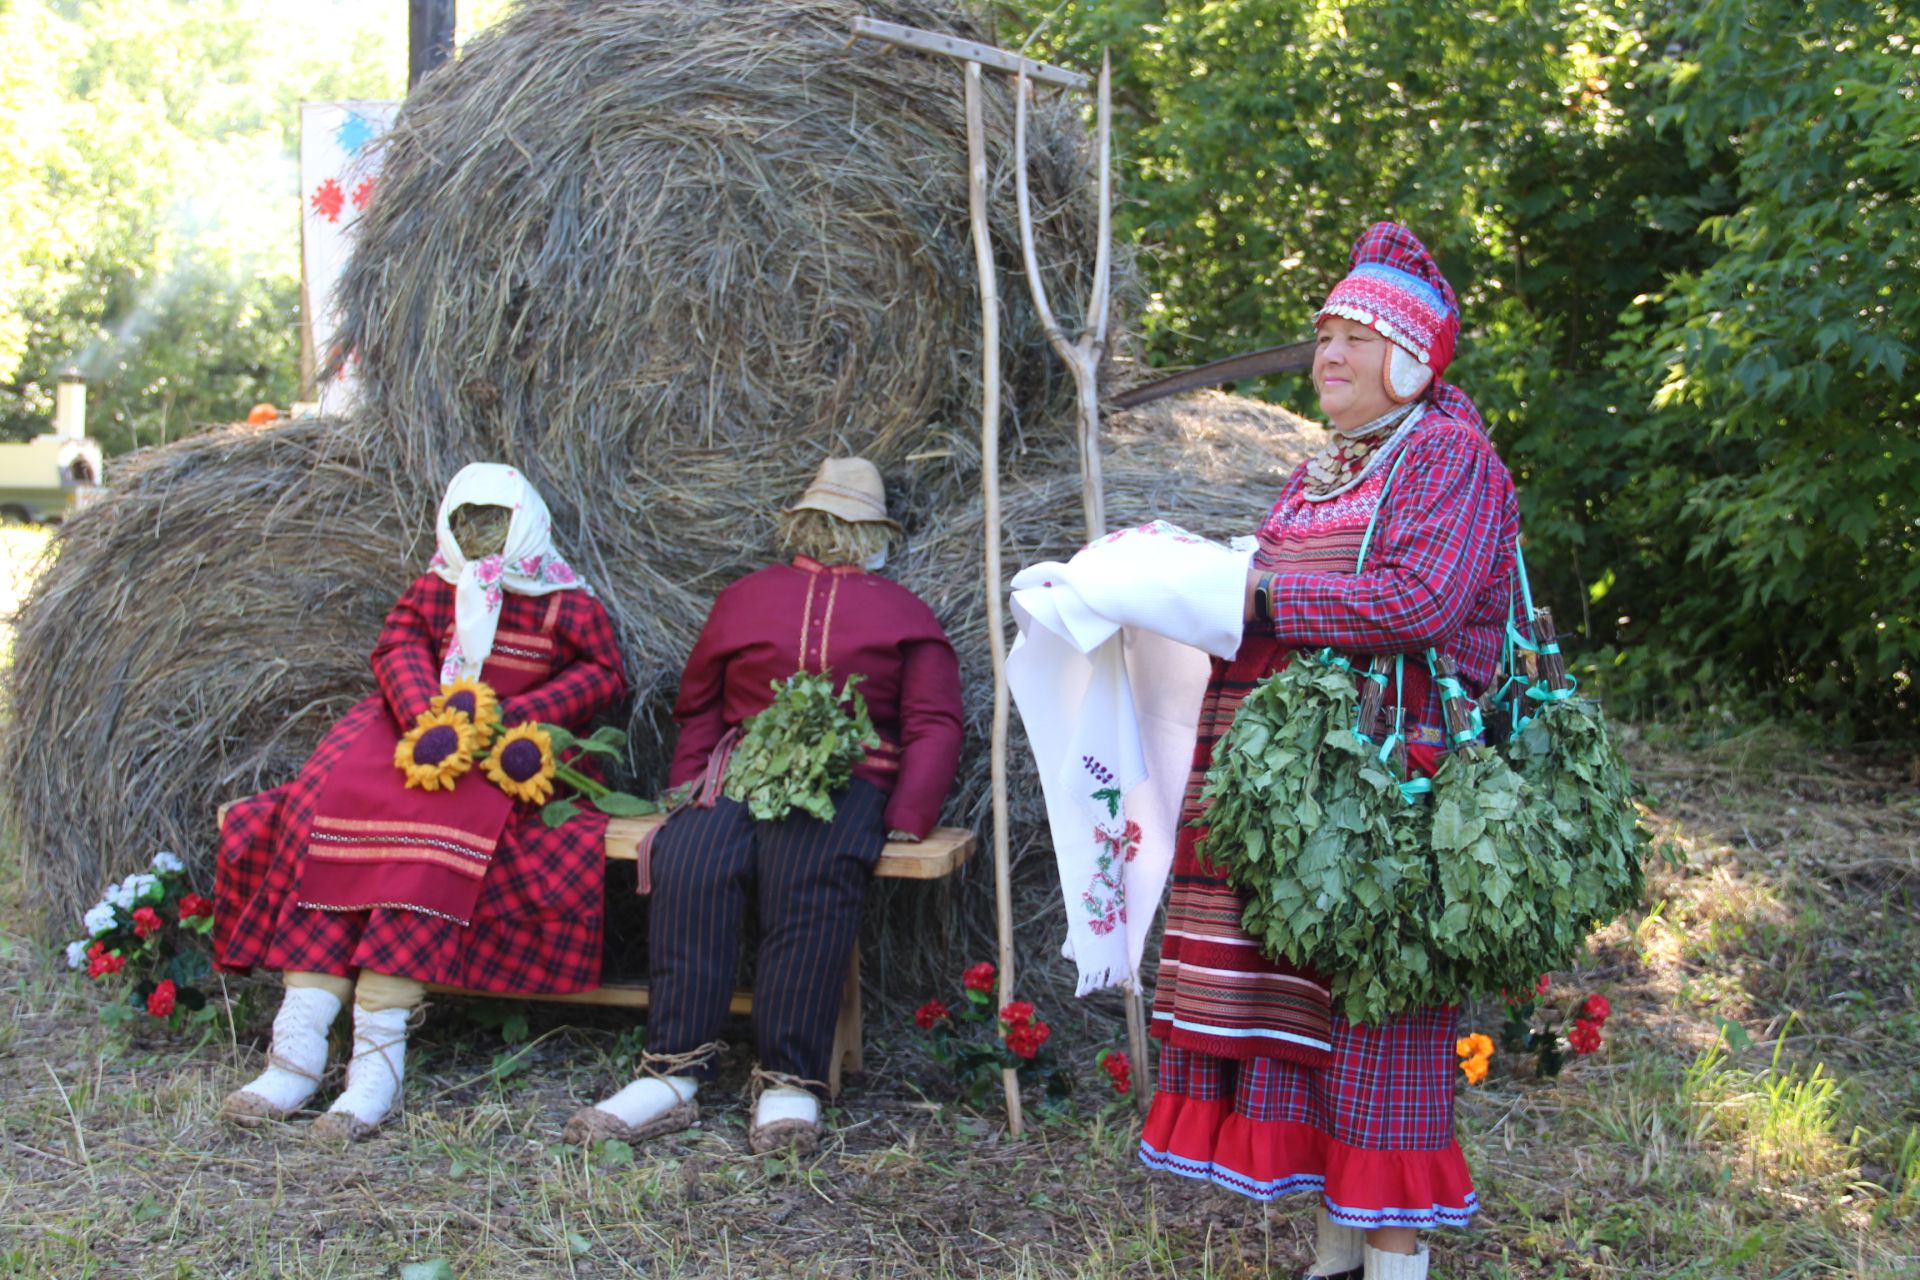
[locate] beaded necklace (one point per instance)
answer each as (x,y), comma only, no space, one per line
(1351,453)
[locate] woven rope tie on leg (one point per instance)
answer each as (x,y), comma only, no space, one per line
(296,1060)
(376,1076)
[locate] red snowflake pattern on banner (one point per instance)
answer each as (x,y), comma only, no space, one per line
(328,200)
(363,194)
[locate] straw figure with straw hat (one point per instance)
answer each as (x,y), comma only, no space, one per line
(396,858)
(822,616)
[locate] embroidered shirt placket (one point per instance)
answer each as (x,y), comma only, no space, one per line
(806,619)
(826,623)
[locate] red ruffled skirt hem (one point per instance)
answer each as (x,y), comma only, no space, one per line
(1264,1160)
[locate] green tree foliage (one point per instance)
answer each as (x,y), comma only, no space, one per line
(149,202)
(1786,401)
(1684,247)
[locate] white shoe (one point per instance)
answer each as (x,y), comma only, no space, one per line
(296,1058)
(375,1075)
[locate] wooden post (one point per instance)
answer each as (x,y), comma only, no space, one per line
(990,500)
(429,37)
(1082,356)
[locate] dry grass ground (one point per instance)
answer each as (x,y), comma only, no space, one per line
(1668,1154)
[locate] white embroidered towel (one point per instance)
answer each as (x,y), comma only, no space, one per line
(1108,673)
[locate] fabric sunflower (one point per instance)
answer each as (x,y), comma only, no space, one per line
(522,764)
(437,750)
(473,699)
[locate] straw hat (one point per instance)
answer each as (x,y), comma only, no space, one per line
(850,488)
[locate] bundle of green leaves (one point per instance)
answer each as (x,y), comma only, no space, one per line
(1307,822)
(1495,878)
(1564,754)
(801,749)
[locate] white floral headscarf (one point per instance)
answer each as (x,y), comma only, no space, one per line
(528,565)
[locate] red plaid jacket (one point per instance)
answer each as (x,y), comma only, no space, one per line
(406,658)
(809,616)
(1439,573)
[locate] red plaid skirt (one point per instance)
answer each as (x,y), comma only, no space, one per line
(1372,1132)
(536,927)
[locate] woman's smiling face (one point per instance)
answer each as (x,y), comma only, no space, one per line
(1349,372)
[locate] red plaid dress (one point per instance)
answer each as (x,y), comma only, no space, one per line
(1253,1094)
(537,924)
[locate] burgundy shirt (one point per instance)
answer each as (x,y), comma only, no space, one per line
(840,619)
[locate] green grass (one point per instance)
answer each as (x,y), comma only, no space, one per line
(1755,1113)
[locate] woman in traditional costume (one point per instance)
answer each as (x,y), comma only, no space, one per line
(393,861)
(1264,1088)
(824,612)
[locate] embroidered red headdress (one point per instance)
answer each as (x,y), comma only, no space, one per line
(1394,287)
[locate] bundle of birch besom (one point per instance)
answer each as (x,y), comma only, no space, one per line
(1409,892)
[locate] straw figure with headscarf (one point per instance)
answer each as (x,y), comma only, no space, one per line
(824,613)
(395,859)
(1263,1087)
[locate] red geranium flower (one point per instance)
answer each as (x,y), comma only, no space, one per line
(930,1013)
(101,962)
(1597,1010)
(1119,1069)
(160,1003)
(979,977)
(1017,1014)
(1025,1040)
(1540,987)
(193,906)
(1585,1037)
(147,922)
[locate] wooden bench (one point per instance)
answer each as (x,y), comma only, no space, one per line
(939,855)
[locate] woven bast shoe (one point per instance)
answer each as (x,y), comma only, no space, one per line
(802,1136)
(589,1125)
(786,1114)
(249,1110)
(340,1128)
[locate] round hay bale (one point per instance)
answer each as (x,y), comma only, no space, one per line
(191,640)
(666,255)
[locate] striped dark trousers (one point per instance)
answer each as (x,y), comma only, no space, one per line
(810,878)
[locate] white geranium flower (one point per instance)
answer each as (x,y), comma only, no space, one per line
(164,861)
(140,884)
(99,919)
(120,895)
(76,955)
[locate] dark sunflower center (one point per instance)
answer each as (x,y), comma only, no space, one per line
(464,702)
(520,759)
(436,744)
